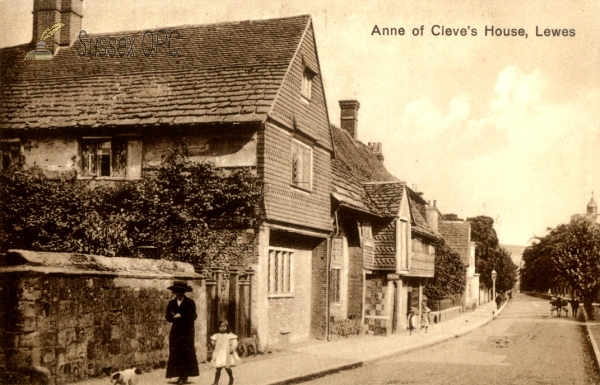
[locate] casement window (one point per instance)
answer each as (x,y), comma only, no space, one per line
(280,272)
(364,229)
(307,80)
(335,286)
(404,239)
(10,153)
(301,165)
(111,157)
(431,249)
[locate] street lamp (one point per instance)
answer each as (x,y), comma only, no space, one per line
(494,275)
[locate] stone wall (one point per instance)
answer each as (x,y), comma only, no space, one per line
(377,317)
(76,316)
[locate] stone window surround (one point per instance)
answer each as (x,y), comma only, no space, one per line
(283,259)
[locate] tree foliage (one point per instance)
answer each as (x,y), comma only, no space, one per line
(450,273)
(570,253)
(192,212)
(490,256)
(452,217)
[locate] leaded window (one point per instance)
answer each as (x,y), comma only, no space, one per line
(280,272)
(301,165)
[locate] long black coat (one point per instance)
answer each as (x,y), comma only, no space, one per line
(182,353)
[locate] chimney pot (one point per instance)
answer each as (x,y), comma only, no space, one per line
(432,217)
(349,116)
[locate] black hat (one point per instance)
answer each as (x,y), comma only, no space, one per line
(180,286)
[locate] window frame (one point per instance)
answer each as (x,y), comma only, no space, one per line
(94,144)
(306,83)
(309,150)
(335,290)
(10,153)
(276,289)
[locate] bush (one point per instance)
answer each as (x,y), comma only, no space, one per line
(191,212)
(345,327)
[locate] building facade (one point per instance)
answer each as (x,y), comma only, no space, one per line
(245,94)
(383,244)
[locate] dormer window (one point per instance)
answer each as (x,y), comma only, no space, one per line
(307,79)
(364,229)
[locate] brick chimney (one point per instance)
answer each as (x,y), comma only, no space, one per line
(49,12)
(432,216)
(349,116)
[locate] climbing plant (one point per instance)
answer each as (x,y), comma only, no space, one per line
(449,278)
(191,212)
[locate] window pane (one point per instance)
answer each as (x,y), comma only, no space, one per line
(270,270)
(335,285)
(119,158)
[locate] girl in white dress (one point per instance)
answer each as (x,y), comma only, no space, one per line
(224,351)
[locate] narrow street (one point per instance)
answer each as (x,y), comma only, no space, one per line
(523,345)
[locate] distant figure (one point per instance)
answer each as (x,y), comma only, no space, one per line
(574,306)
(425,314)
(498,301)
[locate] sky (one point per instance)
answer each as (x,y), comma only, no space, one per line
(502,126)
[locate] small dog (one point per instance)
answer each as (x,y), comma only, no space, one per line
(245,345)
(125,377)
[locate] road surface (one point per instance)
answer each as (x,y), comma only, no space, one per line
(523,345)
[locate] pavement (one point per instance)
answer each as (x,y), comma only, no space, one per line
(302,362)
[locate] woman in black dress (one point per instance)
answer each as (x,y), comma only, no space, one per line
(181,311)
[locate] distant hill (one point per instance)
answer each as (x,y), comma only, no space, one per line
(516,252)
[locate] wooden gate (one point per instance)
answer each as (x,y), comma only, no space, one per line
(229,299)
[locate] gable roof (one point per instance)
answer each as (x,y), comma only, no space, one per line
(353,168)
(386,196)
(457,235)
(418,207)
(226,72)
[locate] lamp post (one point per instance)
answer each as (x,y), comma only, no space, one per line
(494,275)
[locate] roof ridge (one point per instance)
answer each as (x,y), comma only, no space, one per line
(233,22)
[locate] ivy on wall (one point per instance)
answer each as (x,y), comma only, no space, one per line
(191,212)
(450,277)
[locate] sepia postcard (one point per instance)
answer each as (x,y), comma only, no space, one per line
(282,192)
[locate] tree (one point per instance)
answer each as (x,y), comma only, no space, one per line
(450,277)
(570,253)
(506,270)
(575,251)
(490,256)
(452,217)
(539,273)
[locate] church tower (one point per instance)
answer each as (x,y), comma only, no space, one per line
(592,210)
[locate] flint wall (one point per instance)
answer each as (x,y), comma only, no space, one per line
(74,316)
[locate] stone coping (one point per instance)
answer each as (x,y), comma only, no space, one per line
(28,262)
